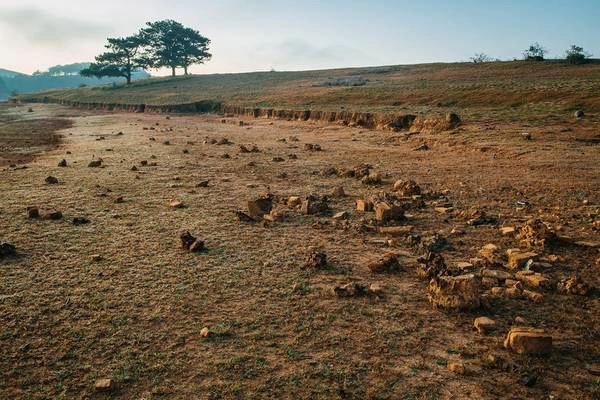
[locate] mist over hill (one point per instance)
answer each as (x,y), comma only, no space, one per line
(56,77)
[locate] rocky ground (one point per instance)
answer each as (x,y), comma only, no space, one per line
(152,256)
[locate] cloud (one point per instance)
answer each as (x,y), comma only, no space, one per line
(42,28)
(299,53)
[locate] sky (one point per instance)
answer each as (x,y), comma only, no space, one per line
(257,35)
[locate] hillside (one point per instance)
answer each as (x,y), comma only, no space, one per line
(505,90)
(5,73)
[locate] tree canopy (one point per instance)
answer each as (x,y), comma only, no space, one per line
(160,44)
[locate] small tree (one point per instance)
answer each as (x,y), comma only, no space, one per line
(172,45)
(535,52)
(480,58)
(123,58)
(576,55)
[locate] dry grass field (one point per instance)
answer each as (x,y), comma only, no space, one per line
(534,92)
(118,298)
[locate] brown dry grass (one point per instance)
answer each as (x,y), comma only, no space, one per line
(136,316)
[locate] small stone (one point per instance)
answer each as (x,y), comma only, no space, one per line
(579,114)
(407,188)
(259,207)
(455,292)
(364,205)
(341,215)
(517,259)
(520,320)
(374,178)
(176,204)
(62,163)
(533,279)
(33,212)
(51,180)
(396,231)
(533,296)
(528,341)
(444,210)
(105,385)
(80,221)
(316,260)
(457,368)
(96,257)
(484,324)
(119,200)
(339,192)
(385,264)
(95,163)
(294,201)
(7,250)
(202,184)
(385,212)
(507,230)
(489,252)
(206,332)
(526,136)
(53,215)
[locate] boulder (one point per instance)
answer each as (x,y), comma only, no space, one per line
(7,250)
(50,180)
(259,207)
(33,212)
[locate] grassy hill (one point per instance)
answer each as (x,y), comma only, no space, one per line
(506,90)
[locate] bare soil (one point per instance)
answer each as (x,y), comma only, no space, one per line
(119,298)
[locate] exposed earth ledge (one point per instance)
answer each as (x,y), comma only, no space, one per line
(378,121)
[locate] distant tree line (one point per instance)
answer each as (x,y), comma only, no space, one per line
(160,44)
(536,52)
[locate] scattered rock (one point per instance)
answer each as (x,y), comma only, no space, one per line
(316,260)
(352,289)
(507,230)
(535,234)
(95,163)
(105,385)
(176,204)
(277,159)
(312,147)
(407,188)
(339,192)
(385,264)
(396,231)
(455,292)
(574,285)
(579,114)
(206,332)
(202,184)
(484,325)
(243,217)
(385,212)
(134,168)
(373,179)
(533,279)
(532,341)
(518,259)
(51,180)
(341,215)
(294,201)
(53,215)
(422,147)
(257,208)
(489,252)
(7,250)
(80,221)
(119,200)
(364,205)
(96,257)
(62,163)
(314,204)
(533,296)
(33,212)
(457,368)
(526,136)
(431,266)
(190,243)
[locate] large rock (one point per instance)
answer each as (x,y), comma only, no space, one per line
(455,292)
(536,234)
(407,188)
(518,259)
(528,341)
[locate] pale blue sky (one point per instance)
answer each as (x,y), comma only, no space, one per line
(289,35)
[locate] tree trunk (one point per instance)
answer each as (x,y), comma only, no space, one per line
(185,70)
(128,77)
(172,71)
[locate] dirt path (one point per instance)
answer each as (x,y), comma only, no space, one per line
(136,315)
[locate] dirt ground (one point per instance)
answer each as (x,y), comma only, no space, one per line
(118,298)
